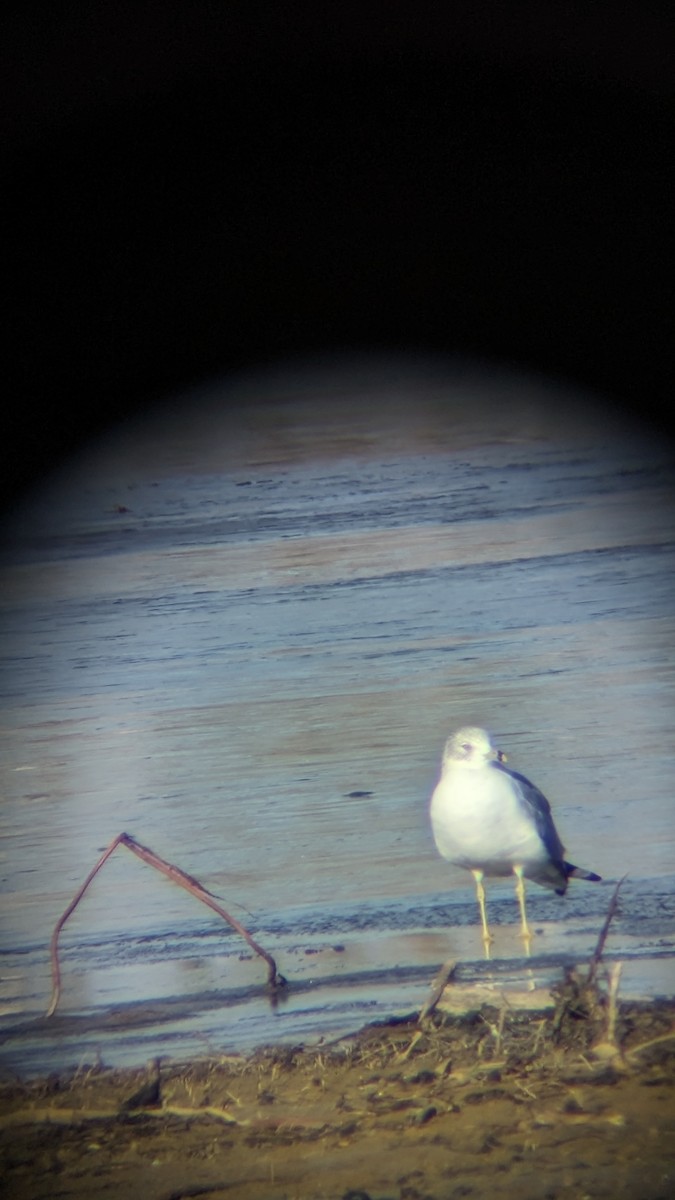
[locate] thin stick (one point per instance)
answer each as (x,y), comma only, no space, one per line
(612,1009)
(664,1037)
(192,885)
(442,977)
(54,946)
(195,888)
(602,936)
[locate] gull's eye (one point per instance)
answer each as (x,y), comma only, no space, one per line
(466,746)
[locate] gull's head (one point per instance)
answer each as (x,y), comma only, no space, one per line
(471,748)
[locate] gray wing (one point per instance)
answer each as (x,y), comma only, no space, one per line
(539,808)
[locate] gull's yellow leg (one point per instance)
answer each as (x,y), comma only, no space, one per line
(520,893)
(480,892)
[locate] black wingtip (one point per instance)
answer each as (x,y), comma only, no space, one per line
(573,872)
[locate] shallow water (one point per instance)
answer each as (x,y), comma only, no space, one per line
(216,628)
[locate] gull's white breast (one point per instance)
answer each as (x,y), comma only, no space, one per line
(480,821)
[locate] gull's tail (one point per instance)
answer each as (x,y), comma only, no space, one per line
(572,872)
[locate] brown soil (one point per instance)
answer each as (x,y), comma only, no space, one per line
(575,1103)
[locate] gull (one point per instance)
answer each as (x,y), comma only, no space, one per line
(493,821)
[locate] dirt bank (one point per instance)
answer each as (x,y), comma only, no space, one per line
(495,1102)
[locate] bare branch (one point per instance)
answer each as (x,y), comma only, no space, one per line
(602,936)
(192,885)
(442,977)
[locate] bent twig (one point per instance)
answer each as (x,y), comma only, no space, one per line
(579,992)
(602,936)
(192,885)
(442,978)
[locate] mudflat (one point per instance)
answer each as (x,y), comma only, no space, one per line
(577,1101)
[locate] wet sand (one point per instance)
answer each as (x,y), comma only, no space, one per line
(493,1103)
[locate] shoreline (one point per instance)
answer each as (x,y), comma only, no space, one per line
(518,1102)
